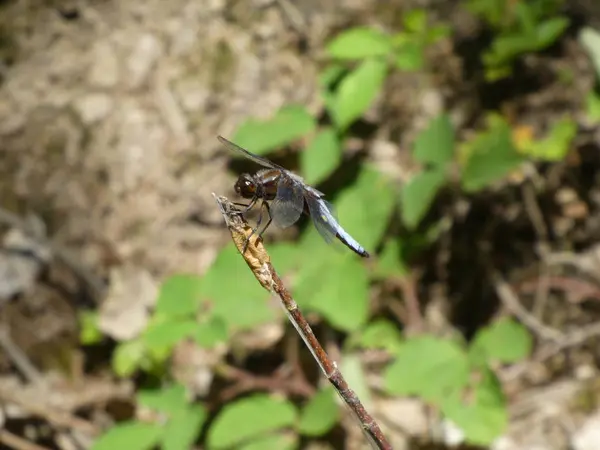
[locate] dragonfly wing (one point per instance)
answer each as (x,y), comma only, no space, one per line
(288,204)
(245,153)
(323,216)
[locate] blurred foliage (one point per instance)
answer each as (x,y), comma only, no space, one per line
(291,122)
(590,40)
(455,376)
(180,425)
(459,379)
(520,27)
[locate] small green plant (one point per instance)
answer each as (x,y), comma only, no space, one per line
(256,422)
(263,421)
(335,284)
(206,310)
(360,61)
(434,148)
(348,94)
(485,158)
(458,378)
(521,27)
(552,147)
(177,425)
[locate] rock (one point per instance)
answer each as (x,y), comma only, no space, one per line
(104,71)
(93,107)
(127,307)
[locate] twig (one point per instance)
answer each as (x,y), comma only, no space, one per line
(415,318)
(537,217)
(249,382)
(511,301)
(57,418)
(18,443)
(293,14)
(19,359)
(533,210)
(259,262)
(577,290)
(572,339)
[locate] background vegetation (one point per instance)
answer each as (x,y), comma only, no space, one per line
(458,142)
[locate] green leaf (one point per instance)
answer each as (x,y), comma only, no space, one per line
(211,332)
(590,39)
(436,33)
(418,195)
(429,367)
(127,357)
(235,294)
(493,11)
(435,144)
(327,281)
(183,428)
(364,209)
(179,296)
(359,43)
(337,287)
(493,156)
(167,400)
(506,341)
(290,123)
(525,17)
(391,262)
(331,75)
(485,417)
(592,101)
(278,441)
(90,332)
(249,418)
(557,144)
(286,256)
(320,414)
(161,337)
(357,91)
(329,99)
(505,48)
(322,156)
(549,31)
(380,334)
(415,20)
(494,73)
(129,436)
(410,56)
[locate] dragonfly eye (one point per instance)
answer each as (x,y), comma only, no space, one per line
(244,186)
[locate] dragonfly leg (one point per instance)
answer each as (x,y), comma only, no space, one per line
(258,222)
(249,205)
(269,222)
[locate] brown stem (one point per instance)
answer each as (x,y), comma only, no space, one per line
(259,262)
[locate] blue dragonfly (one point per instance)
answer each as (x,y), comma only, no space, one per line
(290,196)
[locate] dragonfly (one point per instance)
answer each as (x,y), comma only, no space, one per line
(290,197)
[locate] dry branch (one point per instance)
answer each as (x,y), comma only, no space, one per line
(259,262)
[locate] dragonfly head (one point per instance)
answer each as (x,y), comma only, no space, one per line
(245,186)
